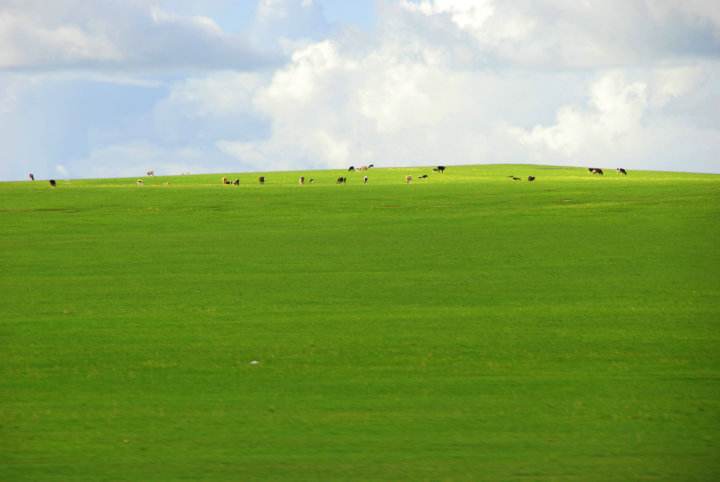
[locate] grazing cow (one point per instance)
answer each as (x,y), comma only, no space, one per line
(261,179)
(596,170)
(365,180)
(440,169)
(622,171)
(424,176)
(408,179)
(236,182)
(301,181)
(351,168)
(53,183)
(31,176)
(341,180)
(151,173)
(531,178)
(514,178)
(371,165)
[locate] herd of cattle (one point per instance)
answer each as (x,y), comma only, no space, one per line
(344,179)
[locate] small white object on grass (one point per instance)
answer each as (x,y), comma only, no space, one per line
(254,362)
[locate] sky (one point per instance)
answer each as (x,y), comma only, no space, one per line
(108,88)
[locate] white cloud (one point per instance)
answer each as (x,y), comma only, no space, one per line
(437,81)
(400,100)
(616,109)
(573,34)
(24,43)
(620,123)
(218,94)
(674,82)
(132,35)
(285,24)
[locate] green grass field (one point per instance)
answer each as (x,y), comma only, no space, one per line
(467,327)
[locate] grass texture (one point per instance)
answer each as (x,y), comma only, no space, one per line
(463,327)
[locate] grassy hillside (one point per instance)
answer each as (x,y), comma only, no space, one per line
(467,327)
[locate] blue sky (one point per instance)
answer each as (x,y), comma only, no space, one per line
(108,88)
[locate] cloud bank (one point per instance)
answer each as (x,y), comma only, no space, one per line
(446,81)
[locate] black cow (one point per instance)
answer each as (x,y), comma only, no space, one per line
(53,183)
(371,165)
(424,176)
(440,169)
(351,168)
(341,180)
(261,179)
(514,178)
(622,171)
(596,170)
(531,178)
(31,176)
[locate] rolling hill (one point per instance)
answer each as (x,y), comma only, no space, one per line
(462,327)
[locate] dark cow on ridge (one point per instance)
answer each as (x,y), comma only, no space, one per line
(351,168)
(440,169)
(622,171)
(341,180)
(53,183)
(261,179)
(595,170)
(31,176)
(531,178)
